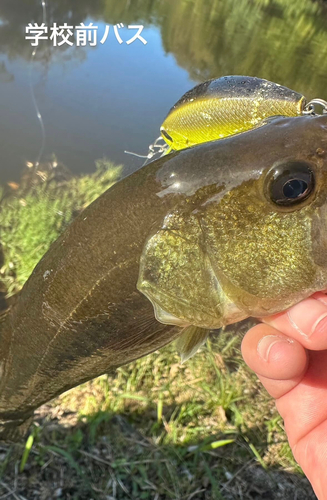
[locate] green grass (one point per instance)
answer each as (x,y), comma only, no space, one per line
(156,430)
(30,221)
(216,435)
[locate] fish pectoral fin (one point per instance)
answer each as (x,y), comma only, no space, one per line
(192,338)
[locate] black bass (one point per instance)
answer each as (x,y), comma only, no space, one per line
(211,235)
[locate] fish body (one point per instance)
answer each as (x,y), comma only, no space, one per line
(225,106)
(198,239)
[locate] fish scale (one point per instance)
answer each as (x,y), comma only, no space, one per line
(196,240)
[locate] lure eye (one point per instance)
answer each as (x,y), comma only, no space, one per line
(291,183)
(166,135)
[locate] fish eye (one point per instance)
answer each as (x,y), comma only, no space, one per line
(290,183)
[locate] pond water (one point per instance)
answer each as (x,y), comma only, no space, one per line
(98,101)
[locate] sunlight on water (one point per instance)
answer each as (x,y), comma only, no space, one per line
(101,100)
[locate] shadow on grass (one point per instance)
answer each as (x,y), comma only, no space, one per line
(104,457)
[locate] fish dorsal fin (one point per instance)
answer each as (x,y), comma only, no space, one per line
(192,338)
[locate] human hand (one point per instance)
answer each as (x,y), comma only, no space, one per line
(288,352)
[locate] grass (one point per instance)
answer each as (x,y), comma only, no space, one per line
(156,430)
(31,220)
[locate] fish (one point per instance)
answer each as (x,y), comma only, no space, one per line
(196,240)
(226,106)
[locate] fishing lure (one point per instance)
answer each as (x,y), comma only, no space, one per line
(226,106)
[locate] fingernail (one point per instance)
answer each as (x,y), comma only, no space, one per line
(266,344)
(310,320)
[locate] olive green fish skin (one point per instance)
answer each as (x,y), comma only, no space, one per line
(225,106)
(257,258)
(80,315)
(217,240)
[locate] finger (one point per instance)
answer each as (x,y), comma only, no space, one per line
(310,453)
(321,296)
(305,322)
(305,408)
(279,361)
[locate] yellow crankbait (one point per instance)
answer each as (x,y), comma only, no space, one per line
(226,106)
(223,107)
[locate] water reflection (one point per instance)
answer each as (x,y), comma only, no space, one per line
(103,100)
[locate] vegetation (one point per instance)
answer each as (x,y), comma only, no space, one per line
(31,220)
(279,40)
(156,430)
